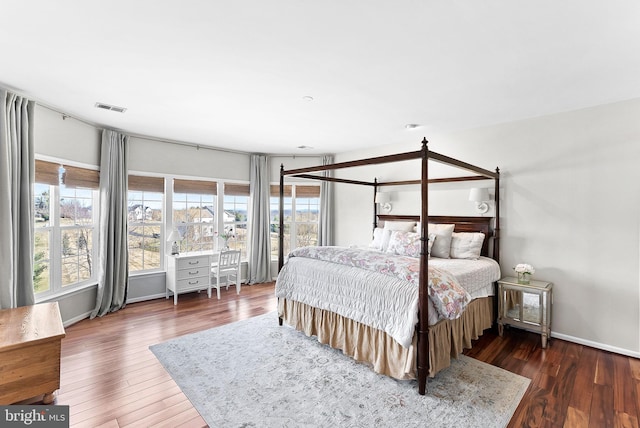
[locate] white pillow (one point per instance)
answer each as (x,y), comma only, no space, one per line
(376,244)
(442,245)
(466,245)
(405,226)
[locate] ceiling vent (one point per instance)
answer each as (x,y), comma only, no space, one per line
(110,107)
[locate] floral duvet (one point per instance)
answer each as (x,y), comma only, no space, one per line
(377,289)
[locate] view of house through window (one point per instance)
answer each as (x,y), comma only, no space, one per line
(66,218)
(236,208)
(301,216)
(145,203)
(194,214)
(64,226)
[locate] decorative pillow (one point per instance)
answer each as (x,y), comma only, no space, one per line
(404,244)
(466,245)
(407,243)
(390,226)
(442,245)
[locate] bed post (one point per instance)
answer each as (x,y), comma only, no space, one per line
(423,293)
(375,206)
(496,233)
(281,226)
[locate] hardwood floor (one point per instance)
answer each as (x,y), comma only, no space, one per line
(109,377)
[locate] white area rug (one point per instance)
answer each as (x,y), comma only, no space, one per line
(254,373)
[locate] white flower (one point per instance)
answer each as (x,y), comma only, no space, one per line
(524,268)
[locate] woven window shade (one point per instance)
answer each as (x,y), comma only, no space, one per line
(81,177)
(307,191)
(199,187)
(275,191)
(47,173)
(146,184)
(236,189)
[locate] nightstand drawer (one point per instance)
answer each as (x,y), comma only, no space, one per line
(192,262)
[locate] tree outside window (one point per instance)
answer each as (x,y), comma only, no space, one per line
(301,217)
(64,226)
(145,202)
(194,214)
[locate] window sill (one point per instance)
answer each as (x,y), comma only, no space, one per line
(64,293)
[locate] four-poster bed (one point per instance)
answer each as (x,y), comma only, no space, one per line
(425,354)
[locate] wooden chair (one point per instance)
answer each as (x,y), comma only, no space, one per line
(228,265)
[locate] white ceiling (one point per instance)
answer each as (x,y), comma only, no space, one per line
(233,74)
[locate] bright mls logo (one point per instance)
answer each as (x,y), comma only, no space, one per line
(34,416)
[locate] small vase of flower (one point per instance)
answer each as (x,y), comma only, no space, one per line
(524,271)
(225,236)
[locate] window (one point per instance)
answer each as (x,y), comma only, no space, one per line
(64,226)
(306,217)
(301,217)
(236,205)
(145,220)
(194,213)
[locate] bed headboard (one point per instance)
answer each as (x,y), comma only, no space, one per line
(463,224)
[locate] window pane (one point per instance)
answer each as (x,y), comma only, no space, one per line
(64,229)
(145,219)
(76,250)
(75,206)
(41,204)
(144,247)
(235,222)
(69,271)
(306,234)
(41,264)
(194,217)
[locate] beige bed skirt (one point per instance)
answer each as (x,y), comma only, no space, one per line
(374,347)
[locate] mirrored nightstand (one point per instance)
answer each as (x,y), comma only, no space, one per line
(526,306)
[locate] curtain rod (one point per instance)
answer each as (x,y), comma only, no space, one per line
(168,141)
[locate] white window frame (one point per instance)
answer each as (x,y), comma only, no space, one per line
(161,224)
(293,224)
(55,231)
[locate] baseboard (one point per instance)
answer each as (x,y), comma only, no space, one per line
(596,345)
(79,318)
(148,297)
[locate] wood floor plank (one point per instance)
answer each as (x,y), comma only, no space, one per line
(110,378)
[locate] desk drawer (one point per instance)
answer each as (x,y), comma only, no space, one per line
(192,262)
(193,283)
(193,272)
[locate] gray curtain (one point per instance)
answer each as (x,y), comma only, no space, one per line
(113,271)
(325,228)
(259,232)
(16,201)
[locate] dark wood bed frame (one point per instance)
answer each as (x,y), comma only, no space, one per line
(471,223)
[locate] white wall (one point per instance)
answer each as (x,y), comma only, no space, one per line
(570,205)
(68,139)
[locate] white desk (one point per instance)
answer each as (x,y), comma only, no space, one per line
(188,272)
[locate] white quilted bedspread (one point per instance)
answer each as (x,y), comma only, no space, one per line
(375,289)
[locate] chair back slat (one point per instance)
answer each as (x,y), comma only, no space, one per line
(228,259)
